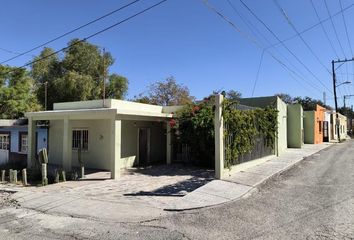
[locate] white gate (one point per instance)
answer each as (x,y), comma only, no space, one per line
(4,148)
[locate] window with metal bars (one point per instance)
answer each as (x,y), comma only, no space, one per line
(23,142)
(80,139)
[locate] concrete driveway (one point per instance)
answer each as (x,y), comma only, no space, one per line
(139,195)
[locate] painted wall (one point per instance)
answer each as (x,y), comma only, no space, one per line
(129,152)
(309,124)
(295,127)
(98,154)
(276,102)
(15,134)
(327,118)
(319,118)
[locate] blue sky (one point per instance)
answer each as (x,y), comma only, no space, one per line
(185,39)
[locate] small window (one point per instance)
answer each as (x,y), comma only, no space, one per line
(4,141)
(23,142)
(80,139)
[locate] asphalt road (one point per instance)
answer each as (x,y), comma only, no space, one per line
(314,200)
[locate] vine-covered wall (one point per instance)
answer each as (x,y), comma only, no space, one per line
(194,126)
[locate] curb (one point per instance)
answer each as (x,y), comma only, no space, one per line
(275,175)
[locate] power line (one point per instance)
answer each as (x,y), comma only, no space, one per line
(287,18)
(283,44)
(251,27)
(92,35)
(255,42)
(313,26)
(346,28)
(71,31)
(334,28)
(323,29)
(257,75)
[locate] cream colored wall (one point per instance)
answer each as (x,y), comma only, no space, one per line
(55,142)
(97,155)
(282,126)
(130,141)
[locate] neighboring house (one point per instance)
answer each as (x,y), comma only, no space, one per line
(14,142)
(313,125)
(112,134)
(327,126)
(342,123)
(295,125)
(275,102)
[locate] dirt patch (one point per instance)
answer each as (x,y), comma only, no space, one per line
(6,200)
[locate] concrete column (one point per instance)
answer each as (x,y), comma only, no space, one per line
(115,148)
(31,152)
(219,137)
(67,153)
(168,144)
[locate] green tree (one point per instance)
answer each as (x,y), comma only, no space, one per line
(16,93)
(309,103)
(285,97)
(167,93)
(77,75)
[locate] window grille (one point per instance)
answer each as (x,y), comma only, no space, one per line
(4,142)
(80,139)
(24,143)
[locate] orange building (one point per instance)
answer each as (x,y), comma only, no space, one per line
(313,125)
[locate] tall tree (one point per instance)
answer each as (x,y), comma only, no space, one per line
(285,97)
(76,76)
(167,93)
(16,93)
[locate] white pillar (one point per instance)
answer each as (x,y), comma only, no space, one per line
(115,148)
(31,152)
(67,152)
(168,143)
(219,137)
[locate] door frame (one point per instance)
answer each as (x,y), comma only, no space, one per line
(148,145)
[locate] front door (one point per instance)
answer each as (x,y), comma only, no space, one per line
(4,148)
(143,146)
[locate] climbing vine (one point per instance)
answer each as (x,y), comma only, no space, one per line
(194,126)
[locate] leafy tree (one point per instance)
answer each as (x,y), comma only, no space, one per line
(285,97)
(167,93)
(233,95)
(76,76)
(16,93)
(309,103)
(117,86)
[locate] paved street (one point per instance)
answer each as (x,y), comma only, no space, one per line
(314,200)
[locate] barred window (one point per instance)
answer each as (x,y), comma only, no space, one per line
(80,139)
(23,142)
(4,141)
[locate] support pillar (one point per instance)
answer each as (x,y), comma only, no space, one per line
(219,137)
(31,151)
(116,135)
(168,143)
(67,153)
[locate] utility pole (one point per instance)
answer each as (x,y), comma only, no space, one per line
(335,99)
(335,89)
(104,77)
(324,98)
(45,95)
(345,97)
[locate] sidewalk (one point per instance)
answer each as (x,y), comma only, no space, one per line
(142,196)
(237,184)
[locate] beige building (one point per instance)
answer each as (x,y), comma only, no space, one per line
(112,134)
